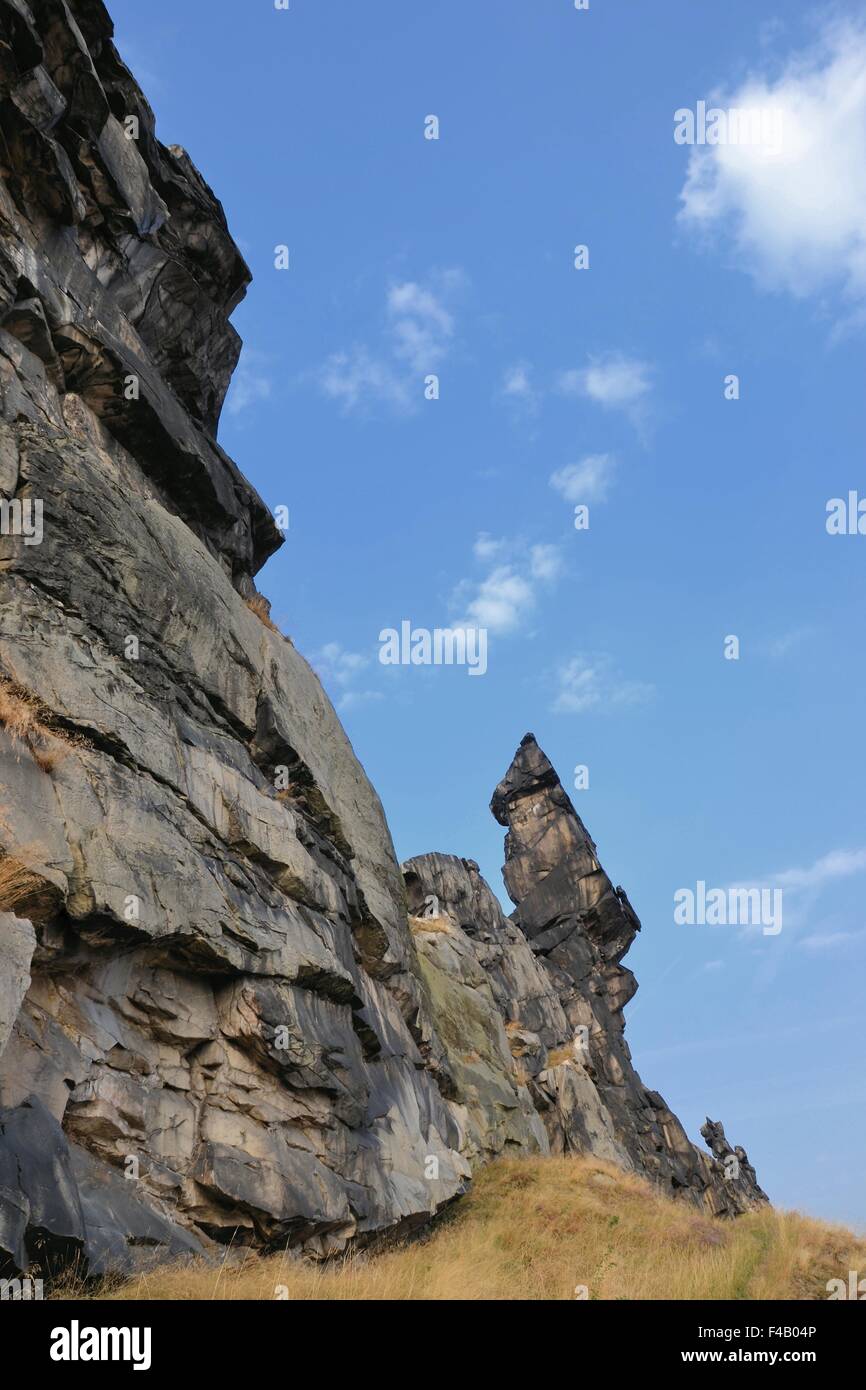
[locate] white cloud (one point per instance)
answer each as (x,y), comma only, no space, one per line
(614,381)
(828,941)
(504,599)
(486,547)
(586,481)
(355,378)
(805,884)
(517,383)
(501,602)
(249,384)
(588,682)
(519,391)
(337,664)
(337,667)
(417,331)
(545,562)
(839,863)
(794,214)
(420,324)
(804,887)
(352,698)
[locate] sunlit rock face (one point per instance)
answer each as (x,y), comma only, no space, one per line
(211,1026)
(217,1023)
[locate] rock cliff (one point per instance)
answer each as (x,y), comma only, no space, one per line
(217,1022)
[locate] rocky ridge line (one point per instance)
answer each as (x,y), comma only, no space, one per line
(216,1024)
(548,986)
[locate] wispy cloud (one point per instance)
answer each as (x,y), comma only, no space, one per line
(339,664)
(505,598)
(355,378)
(545,562)
(587,481)
(614,381)
(591,682)
(780,647)
(839,863)
(250,383)
(804,888)
(829,941)
(340,669)
(351,698)
(793,211)
(517,383)
(416,333)
(519,390)
(420,325)
(501,601)
(487,547)
(147,73)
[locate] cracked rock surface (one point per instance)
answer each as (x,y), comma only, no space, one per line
(217,1022)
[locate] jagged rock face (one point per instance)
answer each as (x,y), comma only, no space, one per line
(216,1024)
(117,271)
(217,1039)
(553,973)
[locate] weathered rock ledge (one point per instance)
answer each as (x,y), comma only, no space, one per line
(216,1021)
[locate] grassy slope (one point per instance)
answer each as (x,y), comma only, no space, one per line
(538,1229)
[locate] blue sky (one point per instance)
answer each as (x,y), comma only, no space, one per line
(455,256)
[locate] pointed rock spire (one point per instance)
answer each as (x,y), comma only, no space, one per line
(551,871)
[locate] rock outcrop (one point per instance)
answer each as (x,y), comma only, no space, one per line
(216,1022)
(551,978)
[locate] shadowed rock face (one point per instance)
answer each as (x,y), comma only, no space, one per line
(216,1024)
(117,273)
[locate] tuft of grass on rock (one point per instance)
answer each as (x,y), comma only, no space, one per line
(431,924)
(24,720)
(259,605)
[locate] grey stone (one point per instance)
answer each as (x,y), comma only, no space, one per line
(219,1024)
(17,944)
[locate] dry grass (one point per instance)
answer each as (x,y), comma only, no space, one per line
(541,1229)
(23,718)
(259,605)
(24,889)
(435,924)
(565,1053)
